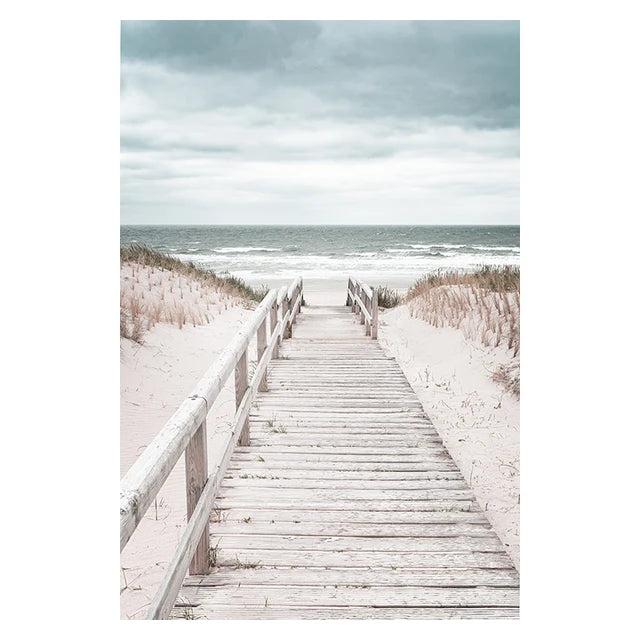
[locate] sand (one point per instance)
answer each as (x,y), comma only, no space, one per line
(477,419)
(156,377)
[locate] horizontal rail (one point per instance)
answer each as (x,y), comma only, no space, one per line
(141,484)
(362,298)
(185,432)
(165,597)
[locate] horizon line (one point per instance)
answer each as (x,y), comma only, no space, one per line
(182,224)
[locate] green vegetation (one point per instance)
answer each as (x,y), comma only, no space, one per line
(388,298)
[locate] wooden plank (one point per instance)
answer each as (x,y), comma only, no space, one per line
(356,544)
(248,526)
(350,559)
(261,513)
(196,474)
(356,596)
(289,502)
(348,454)
(241,384)
(260,469)
(345,441)
(264,481)
(431,577)
(260,612)
(261,341)
(292,463)
(422,452)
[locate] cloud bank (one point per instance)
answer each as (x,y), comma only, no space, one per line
(320,122)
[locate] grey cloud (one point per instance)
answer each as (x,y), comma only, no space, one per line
(292,119)
(148,143)
(460,70)
(231,44)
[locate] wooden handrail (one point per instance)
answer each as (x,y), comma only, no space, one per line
(362,298)
(185,432)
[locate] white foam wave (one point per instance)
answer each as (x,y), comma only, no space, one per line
(244,249)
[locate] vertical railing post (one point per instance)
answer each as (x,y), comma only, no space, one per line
(296,294)
(361,295)
(241,387)
(196,474)
(262,347)
(374,314)
(367,304)
(348,302)
(286,305)
(273,321)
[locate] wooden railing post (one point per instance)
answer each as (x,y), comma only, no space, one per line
(296,292)
(286,305)
(367,324)
(262,347)
(273,321)
(374,314)
(241,387)
(348,302)
(196,473)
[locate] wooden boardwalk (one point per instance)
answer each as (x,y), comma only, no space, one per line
(346,504)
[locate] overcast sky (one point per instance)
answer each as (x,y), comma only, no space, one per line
(320,122)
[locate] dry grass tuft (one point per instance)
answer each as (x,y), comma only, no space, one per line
(484,305)
(508,377)
(146,256)
(157,288)
(388,298)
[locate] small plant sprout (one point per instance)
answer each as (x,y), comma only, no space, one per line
(213,555)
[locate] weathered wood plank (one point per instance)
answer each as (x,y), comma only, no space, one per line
(196,474)
(260,469)
(357,596)
(350,559)
(252,481)
(294,502)
(247,526)
(260,612)
(260,513)
(431,577)
(356,544)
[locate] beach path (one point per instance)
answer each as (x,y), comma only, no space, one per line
(346,504)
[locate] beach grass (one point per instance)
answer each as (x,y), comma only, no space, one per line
(485,303)
(144,255)
(156,287)
(387,297)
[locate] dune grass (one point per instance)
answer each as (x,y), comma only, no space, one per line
(156,288)
(484,304)
(388,298)
(144,255)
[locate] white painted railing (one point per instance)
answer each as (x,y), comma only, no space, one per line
(186,432)
(363,299)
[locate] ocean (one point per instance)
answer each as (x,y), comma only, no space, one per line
(380,255)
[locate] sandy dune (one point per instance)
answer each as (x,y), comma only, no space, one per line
(478,420)
(155,377)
